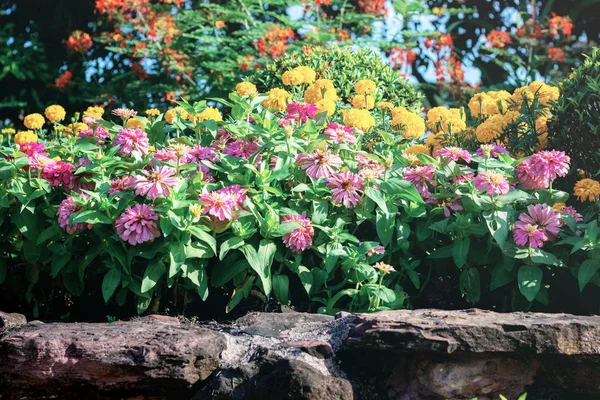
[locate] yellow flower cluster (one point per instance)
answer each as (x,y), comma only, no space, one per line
(490,129)
(323,94)
(76,127)
(365,86)
(412,152)
(55,113)
(26,137)
(152,112)
(442,119)
(363,102)
(483,105)
(94,111)
(278,99)
(8,131)
(384,105)
(246,89)
(412,124)
(299,76)
(326,105)
(359,119)
(209,113)
(173,112)
(34,121)
(137,122)
(546,93)
(587,190)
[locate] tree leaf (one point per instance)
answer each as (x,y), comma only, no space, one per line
(154,271)
(530,281)
(460,251)
(586,272)
(281,288)
(110,282)
(204,237)
(233,242)
(239,293)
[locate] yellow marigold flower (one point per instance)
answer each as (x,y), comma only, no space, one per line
(321,89)
(434,142)
(483,105)
(541,125)
(363,102)
(587,190)
(384,105)
(411,153)
(177,111)
(308,74)
(26,137)
(55,113)
(94,111)
(490,129)
(365,86)
(326,105)
(136,122)
(8,131)
(292,78)
(412,124)
(558,207)
(76,127)
(209,113)
(278,99)
(34,121)
(152,112)
(545,92)
(442,119)
(359,119)
(246,89)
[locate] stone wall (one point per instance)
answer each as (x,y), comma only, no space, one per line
(422,354)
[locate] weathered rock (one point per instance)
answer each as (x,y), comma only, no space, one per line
(8,321)
(316,348)
(279,325)
(143,355)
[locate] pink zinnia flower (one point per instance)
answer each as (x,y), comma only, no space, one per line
(121,185)
(299,239)
(203,153)
(467,175)
(573,213)
(131,140)
(450,206)
(494,182)
(346,188)
(454,153)
(99,133)
(491,150)
(221,203)
(59,173)
(340,134)
(156,183)
(379,249)
(300,111)
(241,149)
(40,161)
(524,233)
(527,177)
(65,209)
(420,177)
(550,164)
(124,112)
(237,193)
(368,168)
(165,155)
(320,164)
(32,148)
(137,224)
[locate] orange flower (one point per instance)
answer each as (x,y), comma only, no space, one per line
(64,80)
(557,54)
(220,24)
(498,39)
(79,42)
(558,23)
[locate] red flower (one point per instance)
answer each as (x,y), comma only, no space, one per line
(557,54)
(498,39)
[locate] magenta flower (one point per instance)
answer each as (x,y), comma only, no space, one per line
(340,134)
(40,161)
(300,111)
(573,213)
(121,185)
(65,209)
(59,173)
(237,193)
(137,224)
(156,183)
(164,156)
(491,150)
(467,175)
(221,203)
(32,148)
(346,188)
(241,149)
(320,164)
(379,249)
(539,218)
(299,239)
(99,133)
(454,153)
(494,182)
(131,140)
(200,153)
(420,177)
(450,206)
(528,178)
(124,112)
(550,164)
(524,233)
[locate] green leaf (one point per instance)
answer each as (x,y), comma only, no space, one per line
(3,270)
(58,263)
(154,271)
(177,257)
(52,232)
(460,251)
(90,217)
(497,223)
(586,272)
(501,276)
(198,250)
(470,284)
(281,288)
(530,281)
(227,270)
(320,211)
(204,236)
(110,282)
(346,292)
(377,197)
(230,244)
(73,283)
(401,188)
(142,304)
(240,292)
(442,252)
(286,228)
(385,224)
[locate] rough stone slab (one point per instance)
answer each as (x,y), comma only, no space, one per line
(141,354)
(475,331)
(8,321)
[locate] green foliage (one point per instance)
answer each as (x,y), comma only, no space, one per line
(574,127)
(345,66)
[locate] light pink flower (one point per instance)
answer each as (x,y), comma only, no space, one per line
(494,182)
(40,161)
(540,218)
(340,134)
(421,176)
(453,153)
(121,185)
(124,112)
(320,164)
(573,213)
(346,188)
(137,224)
(65,209)
(99,133)
(524,233)
(221,203)
(491,149)
(131,140)
(528,178)
(241,149)
(379,249)
(300,239)
(300,111)
(155,183)
(32,149)
(368,168)
(164,155)
(550,164)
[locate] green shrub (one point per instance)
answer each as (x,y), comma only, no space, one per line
(345,67)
